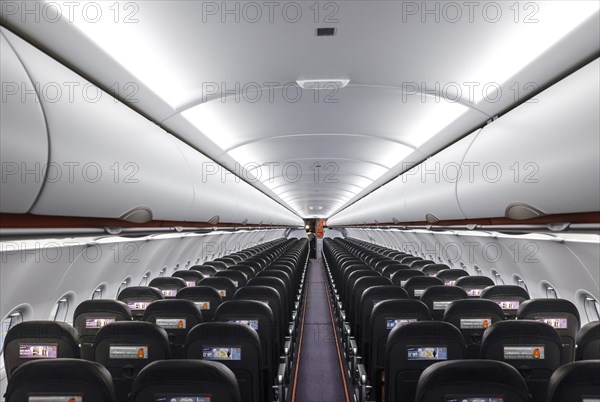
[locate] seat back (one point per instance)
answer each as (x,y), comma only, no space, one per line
(413,347)
(400,277)
(225,286)
(416,286)
(449,276)
(386,315)
(169,286)
(177,317)
(509,297)
(532,347)
(185,380)
(432,269)
(558,313)
(91,315)
(474,285)
(39,340)
(190,277)
(472,317)
(271,298)
(237,346)
(578,381)
(205,298)
(206,270)
(239,278)
(124,348)
(471,380)
(359,288)
(438,297)
(138,298)
(245,269)
(67,378)
(588,342)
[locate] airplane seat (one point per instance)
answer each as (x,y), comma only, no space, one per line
(227,260)
(420,263)
(205,298)
(409,259)
(219,265)
(385,316)
(206,270)
(391,269)
(450,276)
(195,380)
(359,288)
(349,285)
(169,286)
(191,278)
(432,269)
(368,301)
(245,269)
(474,285)
(177,317)
(225,286)
(413,347)
(91,315)
(509,297)
(471,380)
(239,278)
(438,297)
(558,313)
(138,298)
(385,262)
(260,313)
(588,342)
(237,346)
(287,280)
(50,380)
(45,340)
(577,381)
(125,348)
(400,277)
(272,298)
(532,347)
(472,317)
(281,288)
(416,286)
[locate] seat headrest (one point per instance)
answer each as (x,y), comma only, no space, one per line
(470,373)
(140,292)
(167,282)
(256,292)
(266,281)
(177,373)
(189,276)
(496,291)
(217,282)
(451,274)
(38,330)
(588,332)
(478,281)
(173,306)
(531,307)
(102,306)
(571,375)
(473,306)
(244,307)
(68,375)
(431,268)
(512,329)
(426,331)
(139,330)
(224,332)
(199,292)
(408,307)
(445,292)
(206,270)
(384,292)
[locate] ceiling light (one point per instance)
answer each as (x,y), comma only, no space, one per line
(315,208)
(322,84)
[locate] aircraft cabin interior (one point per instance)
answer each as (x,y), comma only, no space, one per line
(299,201)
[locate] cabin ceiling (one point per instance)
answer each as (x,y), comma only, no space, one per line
(225,82)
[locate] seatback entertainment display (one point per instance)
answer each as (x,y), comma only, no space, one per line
(96,323)
(556,322)
(533,352)
(38,351)
(221,353)
(427,353)
(391,323)
(251,323)
(138,305)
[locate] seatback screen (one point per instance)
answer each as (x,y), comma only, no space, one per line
(179,398)
(508,304)
(128,352)
(190,284)
(202,305)
(533,352)
(392,322)
(427,353)
(556,322)
(138,304)
(172,323)
(449,282)
(474,292)
(222,292)
(96,323)
(452,398)
(38,351)
(221,353)
(441,305)
(419,292)
(591,399)
(55,398)
(251,323)
(169,292)
(475,323)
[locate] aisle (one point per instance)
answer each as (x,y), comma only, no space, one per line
(319,376)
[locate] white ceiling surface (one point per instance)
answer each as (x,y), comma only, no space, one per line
(373,131)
